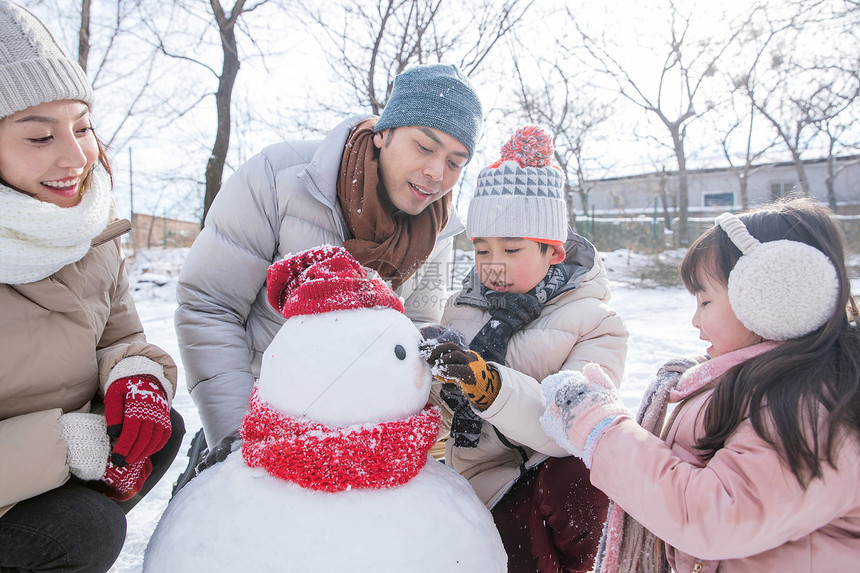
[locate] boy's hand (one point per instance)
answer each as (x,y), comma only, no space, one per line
(479,381)
(579,408)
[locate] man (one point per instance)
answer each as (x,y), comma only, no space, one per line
(380,188)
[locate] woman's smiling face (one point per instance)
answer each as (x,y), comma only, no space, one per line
(47,151)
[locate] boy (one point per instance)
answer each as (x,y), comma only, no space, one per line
(534,304)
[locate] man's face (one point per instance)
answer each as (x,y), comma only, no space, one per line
(418,165)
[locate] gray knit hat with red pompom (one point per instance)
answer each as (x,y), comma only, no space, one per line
(34,69)
(522,194)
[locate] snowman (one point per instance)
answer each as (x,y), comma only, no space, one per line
(334,472)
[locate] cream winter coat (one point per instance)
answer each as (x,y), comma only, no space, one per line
(743,511)
(281,201)
(59,339)
(575,327)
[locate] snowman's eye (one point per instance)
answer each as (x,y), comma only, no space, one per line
(400,352)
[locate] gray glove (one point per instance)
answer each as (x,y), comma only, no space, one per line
(87,444)
(219,453)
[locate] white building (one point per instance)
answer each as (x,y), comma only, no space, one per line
(718,189)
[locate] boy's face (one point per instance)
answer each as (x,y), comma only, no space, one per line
(516,265)
(418,165)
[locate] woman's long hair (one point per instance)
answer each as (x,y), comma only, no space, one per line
(804,395)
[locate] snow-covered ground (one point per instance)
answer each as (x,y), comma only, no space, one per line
(658,318)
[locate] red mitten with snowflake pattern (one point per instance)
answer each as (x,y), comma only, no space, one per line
(138,416)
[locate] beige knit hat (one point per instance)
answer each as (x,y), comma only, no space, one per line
(34,68)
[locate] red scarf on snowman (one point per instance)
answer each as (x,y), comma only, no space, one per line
(320,457)
(309,453)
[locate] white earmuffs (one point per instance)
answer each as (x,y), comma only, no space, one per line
(779,289)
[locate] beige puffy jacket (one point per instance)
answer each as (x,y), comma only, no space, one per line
(575,327)
(59,339)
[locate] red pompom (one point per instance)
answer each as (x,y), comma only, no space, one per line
(530,146)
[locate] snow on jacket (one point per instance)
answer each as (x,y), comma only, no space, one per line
(59,339)
(576,326)
(281,201)
(741,512)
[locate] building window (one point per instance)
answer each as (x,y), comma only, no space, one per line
(726,199)
(780,190)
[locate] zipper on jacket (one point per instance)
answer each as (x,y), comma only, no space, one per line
(698,566)
(518,449)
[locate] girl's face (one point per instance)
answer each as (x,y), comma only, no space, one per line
(717,322)
(47,151)
(513,264)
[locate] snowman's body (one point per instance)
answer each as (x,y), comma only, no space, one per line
(344,369)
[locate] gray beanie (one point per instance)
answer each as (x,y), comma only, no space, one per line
(34,69)
(522,194)
(437,96)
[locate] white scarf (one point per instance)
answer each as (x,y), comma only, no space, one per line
(38,238)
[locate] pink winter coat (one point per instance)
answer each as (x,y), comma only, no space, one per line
(742,511)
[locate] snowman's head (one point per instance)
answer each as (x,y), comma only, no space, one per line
(346,367)
(346,354)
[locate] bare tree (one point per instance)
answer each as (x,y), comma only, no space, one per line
(368,43)
(797,91)
(736,131)
(227,21)
(676,98)
(561,101)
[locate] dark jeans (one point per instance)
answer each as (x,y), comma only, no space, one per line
(552,519)
(74,528)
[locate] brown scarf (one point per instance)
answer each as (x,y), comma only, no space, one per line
(392,244)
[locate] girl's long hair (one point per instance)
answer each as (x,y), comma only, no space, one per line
(803,396)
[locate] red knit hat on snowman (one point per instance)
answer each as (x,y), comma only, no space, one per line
(326,279)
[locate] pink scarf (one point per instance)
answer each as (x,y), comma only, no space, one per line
(319,457)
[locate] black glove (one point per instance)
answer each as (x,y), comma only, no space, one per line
(219,453)
(436,334)
(509,312)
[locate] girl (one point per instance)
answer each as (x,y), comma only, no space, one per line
(757,469)
(86,427)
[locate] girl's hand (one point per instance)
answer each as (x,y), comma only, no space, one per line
(579,408)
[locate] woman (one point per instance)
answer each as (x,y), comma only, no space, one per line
(86,427)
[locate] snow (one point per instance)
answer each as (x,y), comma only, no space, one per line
(658,318)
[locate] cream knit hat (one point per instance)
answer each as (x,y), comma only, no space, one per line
(34,68)
(522,194)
